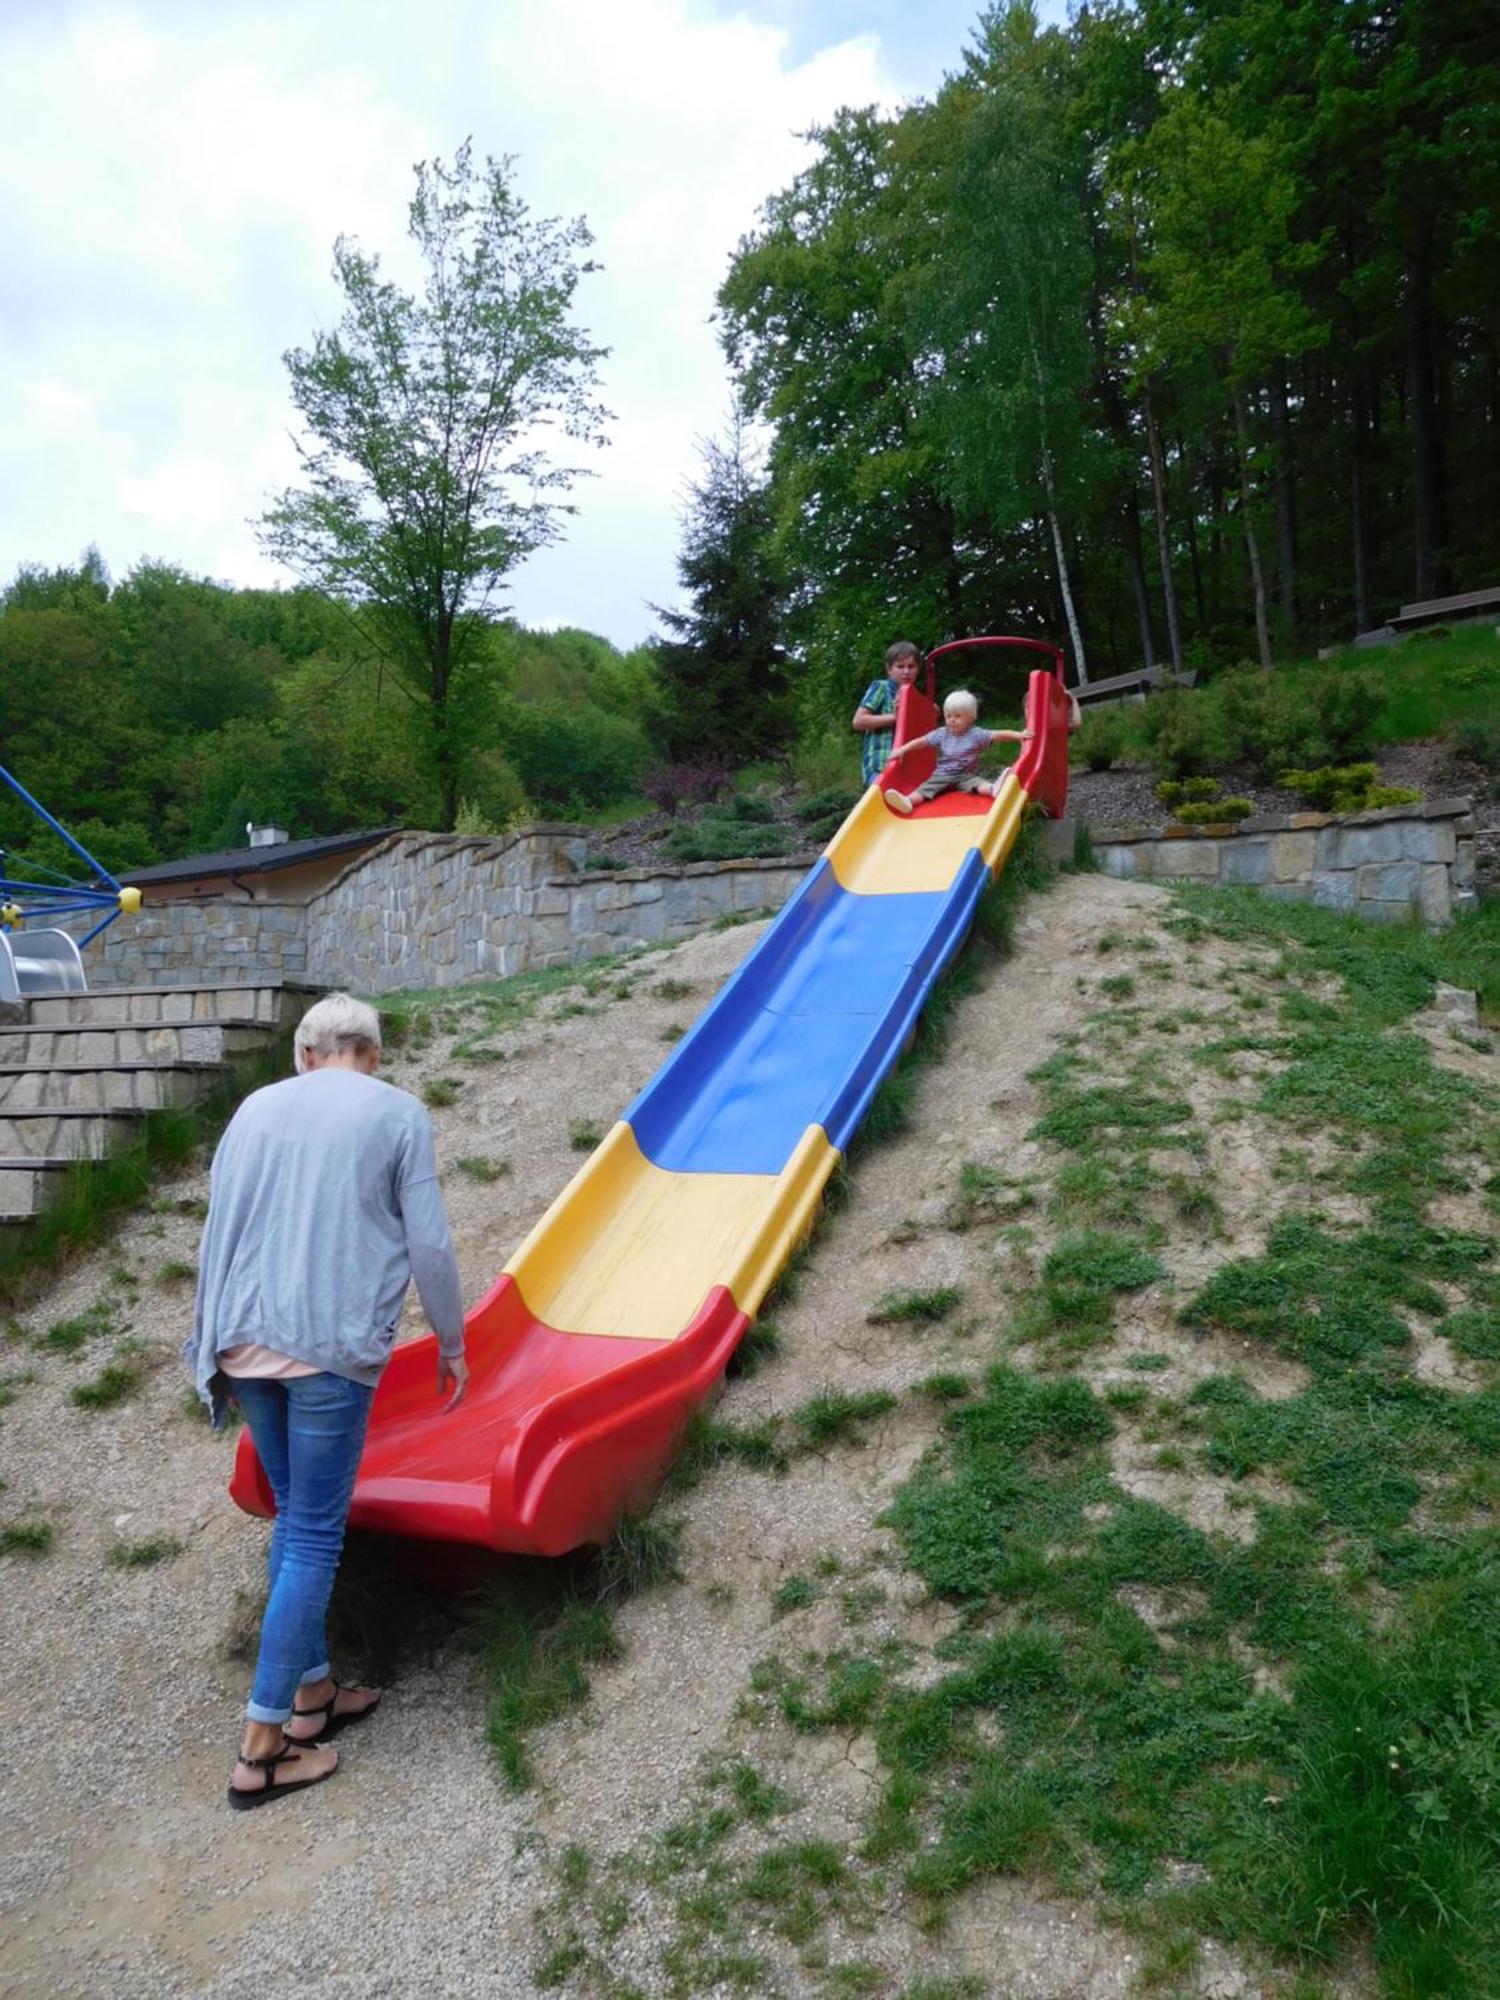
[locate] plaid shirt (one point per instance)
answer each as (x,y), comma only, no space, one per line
(879,698)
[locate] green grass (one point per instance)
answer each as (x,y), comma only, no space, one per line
(441,1092)
(96,1321)
(584,1134)
(709,1441)
(27,1538)
(761,1343)
(117,1382)
(914,1308)
(145,1554)
(176,1271)
(475,1167)
(837,1416)
(795,1594)
(986,1195)
(10,1383)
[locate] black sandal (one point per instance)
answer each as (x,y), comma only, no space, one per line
(289,1753)
(335,1722)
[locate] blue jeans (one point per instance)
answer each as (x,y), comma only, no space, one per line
(309,1433)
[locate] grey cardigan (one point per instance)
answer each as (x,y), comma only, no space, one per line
(323,1205)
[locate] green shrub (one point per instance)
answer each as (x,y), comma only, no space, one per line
(1346,788)
(719,836)
(1479,740)
(1311,718)
(1215,812)
(1186,791)
(1103,740)
(1187,733)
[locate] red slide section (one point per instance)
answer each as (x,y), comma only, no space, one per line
(559,1434)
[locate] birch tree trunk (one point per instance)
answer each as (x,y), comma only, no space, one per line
(1159,504)
(1252,547)
(1049,486)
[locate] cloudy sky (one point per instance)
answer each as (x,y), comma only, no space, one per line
(173,174)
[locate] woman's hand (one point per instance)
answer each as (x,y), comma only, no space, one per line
(456,1373)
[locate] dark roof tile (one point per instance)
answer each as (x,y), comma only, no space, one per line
(256,860)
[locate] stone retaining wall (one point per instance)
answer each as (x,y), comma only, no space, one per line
(436,909)
(1405,861)
(176,943)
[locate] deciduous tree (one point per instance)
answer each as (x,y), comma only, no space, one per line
(428,419)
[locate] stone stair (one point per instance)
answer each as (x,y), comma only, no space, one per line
(80,1069)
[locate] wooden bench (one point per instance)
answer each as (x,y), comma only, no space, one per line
(1130,687)
(1472,604)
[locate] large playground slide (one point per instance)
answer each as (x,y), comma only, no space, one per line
(617,1315)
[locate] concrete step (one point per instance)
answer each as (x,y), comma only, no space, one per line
(111,1044)
(26,1186)
(46,1138)
(85,1087)
(270,1004)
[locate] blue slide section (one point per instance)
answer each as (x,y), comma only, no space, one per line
(807,1029)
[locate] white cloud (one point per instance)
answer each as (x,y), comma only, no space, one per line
(172,177)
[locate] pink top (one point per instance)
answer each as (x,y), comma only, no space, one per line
(261,1363)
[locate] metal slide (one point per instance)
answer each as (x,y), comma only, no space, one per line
(616,1316)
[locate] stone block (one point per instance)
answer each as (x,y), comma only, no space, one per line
(1335,889)
(1398,883)
(1378,910)
(1435,897)
(1247,862)
(1463,865)
(1292,856)
(750,891)
(682,903)
(549,902)
(1187,861)
(1117,861)
(1288,892)
(1428,840)
(1359,846)
(646,892)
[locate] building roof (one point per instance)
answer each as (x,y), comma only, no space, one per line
(257,860)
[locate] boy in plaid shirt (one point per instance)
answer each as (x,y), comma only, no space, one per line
(875,718)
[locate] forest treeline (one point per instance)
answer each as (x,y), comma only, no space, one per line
(157,715)
(1174,332)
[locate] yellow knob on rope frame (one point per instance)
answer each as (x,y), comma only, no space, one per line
(130,901)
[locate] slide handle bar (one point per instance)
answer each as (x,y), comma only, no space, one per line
(1055,653)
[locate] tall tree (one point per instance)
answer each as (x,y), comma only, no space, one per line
(722,671)
(1011,300)
(425,483)
(1219,302)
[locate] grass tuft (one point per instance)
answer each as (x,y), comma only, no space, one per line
(143,1555)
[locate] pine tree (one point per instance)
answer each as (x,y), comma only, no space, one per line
(723,667)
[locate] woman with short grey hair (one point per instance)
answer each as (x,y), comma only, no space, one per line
(323,1206)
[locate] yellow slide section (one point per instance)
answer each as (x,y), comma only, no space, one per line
(878,853)
(632,1250)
